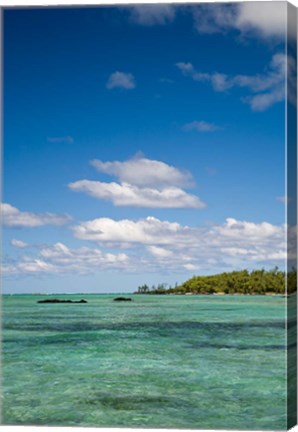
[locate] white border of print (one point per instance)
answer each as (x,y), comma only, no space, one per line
(12,3)
(45,3)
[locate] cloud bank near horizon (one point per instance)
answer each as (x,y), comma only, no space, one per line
(154,245)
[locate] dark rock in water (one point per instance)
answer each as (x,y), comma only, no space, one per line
(121,299)
(61,301)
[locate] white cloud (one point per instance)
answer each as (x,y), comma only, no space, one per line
(249,19)
(153,245)
(18,243)
(188,69)
(154,231)
(201,126)
(33,266)
(214,18)
(267,88)
(143,183)
(251,230)
(145,231)
(59,259)
(140,171)
(121,80)
(263,19)
(267,18)
(190,266)
(14,218)
(172,245)
(125,194)
(82,259)
(154,14)
(56,251)
(160,252)
(263,101)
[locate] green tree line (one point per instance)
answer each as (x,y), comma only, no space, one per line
(236,282)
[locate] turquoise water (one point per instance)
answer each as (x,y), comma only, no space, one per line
(159,361)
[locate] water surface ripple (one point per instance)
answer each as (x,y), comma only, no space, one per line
(159,361)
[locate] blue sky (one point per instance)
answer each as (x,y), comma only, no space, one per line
(142,144)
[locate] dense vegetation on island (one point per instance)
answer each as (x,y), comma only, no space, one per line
(235,282)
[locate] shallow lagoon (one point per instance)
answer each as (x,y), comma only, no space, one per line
(159,361)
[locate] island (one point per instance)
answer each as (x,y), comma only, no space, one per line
(61,301)
(244,282)
(122,299)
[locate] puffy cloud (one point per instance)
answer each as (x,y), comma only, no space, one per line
(267,88)
(151,230)
(201,126)
(263,19)
(267,18)
(153,245)
(172,244)
(125,194)
(14,218)
(82,259)
(59,258)
(190,267)
(121,80)
(33,266)
(154,14)
(160,252)
(143,183)
(233,228)
(141,171)
(145,231)
(18,243)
